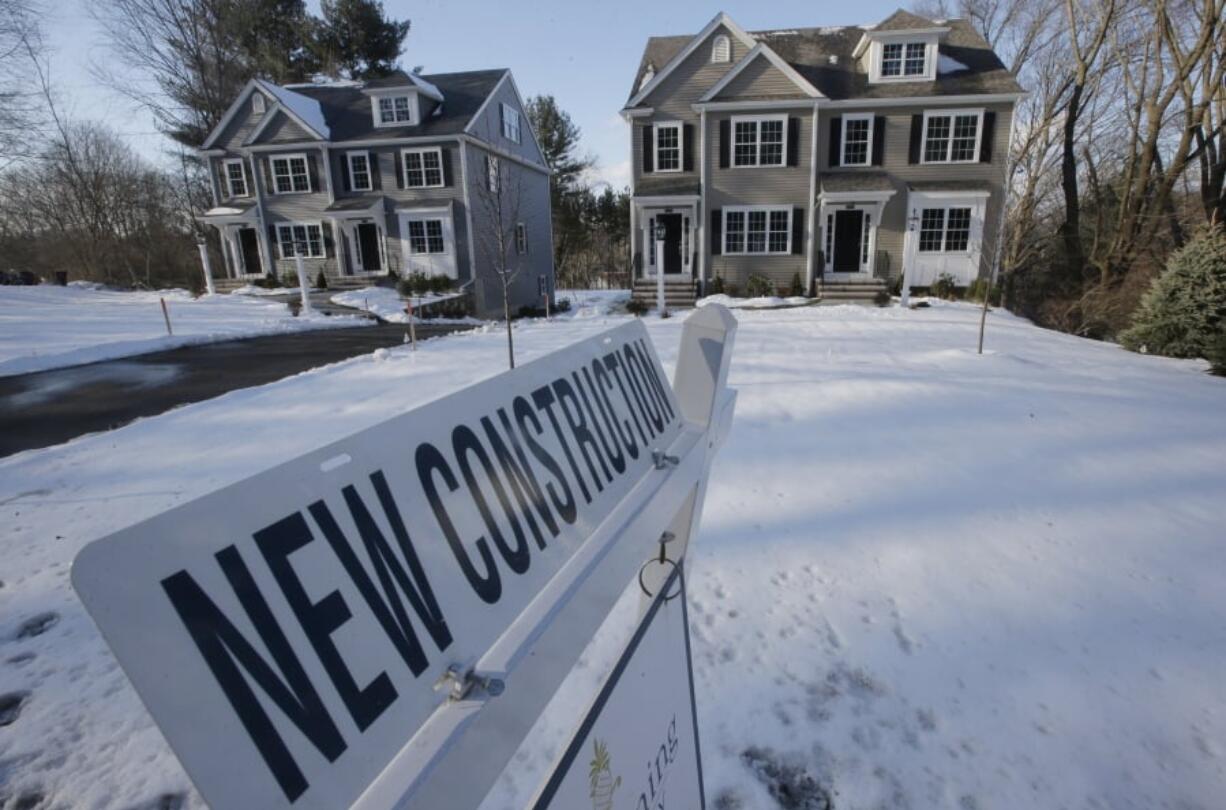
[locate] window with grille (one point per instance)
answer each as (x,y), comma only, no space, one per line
(668,147)
(300,239)
(521,238)
(426,236)
(900,59)
(914,62)
(290,175)
(951,137)
(891,59)
(510,123)
(857,139)
(236,180)
(759,141)
(359,171)
(423,168)
(757,230)
(932,230)
(395,110)
(945,230)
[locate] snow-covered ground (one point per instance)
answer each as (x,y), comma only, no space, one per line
(49,327)
(931,578)
(389,305)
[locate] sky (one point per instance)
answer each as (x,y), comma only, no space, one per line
(582,52)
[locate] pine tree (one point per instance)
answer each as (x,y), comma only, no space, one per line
(356,39)
(1184,312)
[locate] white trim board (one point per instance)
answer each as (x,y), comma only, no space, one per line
(762,49)
(741,34)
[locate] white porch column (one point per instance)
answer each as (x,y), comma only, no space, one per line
(208,268)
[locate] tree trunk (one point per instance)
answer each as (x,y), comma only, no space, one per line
(1070,230)
(506,313)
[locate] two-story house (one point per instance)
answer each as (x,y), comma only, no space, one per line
(842,156)
(408,173)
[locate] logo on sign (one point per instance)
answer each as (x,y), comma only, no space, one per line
(603,783)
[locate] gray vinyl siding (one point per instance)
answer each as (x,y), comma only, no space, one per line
(534,212)
(760,79)
(691,79)
(300,207)
(283,129)
(785,186)
(241,125)
(488,126)
(895,161)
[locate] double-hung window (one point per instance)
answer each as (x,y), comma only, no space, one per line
(521,238)
(423,168)
(759,141)
(510,123)
(359,171)
(952,137)
(903,59)
(426,236)
(290,175)
(857,140)
(394,110)
(668,147)
(757,230)
(493,174)
(300,239)
(945,230)
(236,179)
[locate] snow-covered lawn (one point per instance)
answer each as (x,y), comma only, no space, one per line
(50,327)
(389,305)
(933,579)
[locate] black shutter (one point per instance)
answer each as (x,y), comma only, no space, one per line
(836,138)
(346,180)
(274,245)
(717,231)
(917,137)
(376,179)
(985,143)
(648,149)
(445,157)
(725,142)
(266,165)
(793,140)
(399,169)
(879,140)
(313,173)
(798,231)
(329,247)
(687,146)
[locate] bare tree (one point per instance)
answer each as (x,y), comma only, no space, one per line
(500,203)
(21,108)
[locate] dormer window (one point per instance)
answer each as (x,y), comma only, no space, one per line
(257,103)
(721,49)
(903,59)
(395,110)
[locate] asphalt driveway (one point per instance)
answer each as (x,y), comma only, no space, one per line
(51,407)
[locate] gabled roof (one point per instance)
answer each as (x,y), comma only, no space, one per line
(808,52)
(303,109)
(687,47)
(399,78)
(764,51)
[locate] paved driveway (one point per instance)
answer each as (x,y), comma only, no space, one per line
(50,407)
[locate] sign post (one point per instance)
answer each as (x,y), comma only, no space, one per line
(379,622)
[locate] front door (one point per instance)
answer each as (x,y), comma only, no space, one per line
(672,242)
(249,249)
(367,238)
(848,233)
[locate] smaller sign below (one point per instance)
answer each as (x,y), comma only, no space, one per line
(638,745)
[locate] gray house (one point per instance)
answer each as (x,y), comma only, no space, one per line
(438,174)
(842,156)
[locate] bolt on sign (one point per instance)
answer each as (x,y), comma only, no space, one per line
(638,745)
(337,631)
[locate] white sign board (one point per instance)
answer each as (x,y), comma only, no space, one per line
(287,632)
(637,748)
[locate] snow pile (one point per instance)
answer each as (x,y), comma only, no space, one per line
(925,577)
(51,327)
(761,302)
(592,303)
(389,305)
(947,64)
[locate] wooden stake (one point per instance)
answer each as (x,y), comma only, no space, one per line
(166,315)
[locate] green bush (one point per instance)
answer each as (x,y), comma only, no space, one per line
(1217,353)
(1183,314)
(637,306)
(715,286)
(562,305)
(759,286)
(975,292)
(798,288)
(946,286)
(321,281)
(421,284)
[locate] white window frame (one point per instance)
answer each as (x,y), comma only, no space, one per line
(282,226)
(242,172)
(414,112)
(876,58)
(443,263)
(422,150)
(258,104)
(521,238)
(493,173)
(747,210)
(370,177)
(946,207)
(721,50)
(868,154)
(511,124)
(949,147)
(757,120)
(655,145)
(272,165)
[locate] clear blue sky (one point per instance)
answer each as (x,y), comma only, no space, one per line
(582,52)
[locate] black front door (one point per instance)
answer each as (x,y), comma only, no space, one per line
(368,247)
(249,243)
(672,242)
(848,230)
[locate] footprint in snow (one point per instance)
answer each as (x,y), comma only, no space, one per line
(38,625)
(10,707)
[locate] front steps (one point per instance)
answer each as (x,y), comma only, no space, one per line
(678,294)
(853,292)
